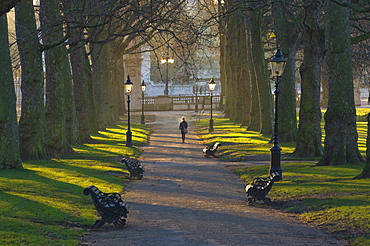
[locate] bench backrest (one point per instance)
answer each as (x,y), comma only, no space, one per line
(215,146)
(102,200)
(131,163)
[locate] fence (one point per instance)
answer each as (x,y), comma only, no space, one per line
(163,103)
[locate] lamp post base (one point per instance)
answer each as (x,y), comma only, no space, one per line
(275,160)
(129,139)
(143,119)
(210,125)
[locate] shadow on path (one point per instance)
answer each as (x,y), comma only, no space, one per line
(186,199)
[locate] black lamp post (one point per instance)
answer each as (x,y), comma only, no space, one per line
(277,68)
(196,97)
(167,60)
(128,89)
(212,85)
(143,87)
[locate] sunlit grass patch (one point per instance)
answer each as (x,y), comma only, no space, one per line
(327,196)
(237,142)
(44,204)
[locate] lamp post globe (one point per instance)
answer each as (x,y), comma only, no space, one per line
(277,65)
(128,90)
(143,87)
(212,86)
(166,60)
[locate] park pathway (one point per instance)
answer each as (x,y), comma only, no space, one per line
(188,200)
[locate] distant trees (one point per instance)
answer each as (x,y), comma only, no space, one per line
(97,35)
(244,77)
(84,43)
(300,25)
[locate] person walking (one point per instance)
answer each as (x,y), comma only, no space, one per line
(183,128)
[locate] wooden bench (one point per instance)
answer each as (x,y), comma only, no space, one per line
(134,167)
(110,207)
(258,189)
(211,150)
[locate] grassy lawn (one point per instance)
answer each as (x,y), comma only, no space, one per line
(44,205)
(327,197)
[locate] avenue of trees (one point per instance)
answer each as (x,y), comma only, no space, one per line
(325,32)
(71,55)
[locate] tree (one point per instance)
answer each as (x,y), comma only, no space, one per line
(340,145)
(261,75)
(308,142)
(287,38)
(9,141)
(234,61)
(32,122)
(61,125)
(81,70)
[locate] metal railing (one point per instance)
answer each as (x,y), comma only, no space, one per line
(179,102)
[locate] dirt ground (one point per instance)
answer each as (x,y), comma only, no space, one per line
(186,199)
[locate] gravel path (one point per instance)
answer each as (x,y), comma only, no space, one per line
(188,200)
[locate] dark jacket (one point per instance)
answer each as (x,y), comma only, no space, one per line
(183,125)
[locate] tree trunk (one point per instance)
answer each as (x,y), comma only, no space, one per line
(105,56)
(235,37)
(366,170)
(91,101)
(118,79)
(80,75)
(32,122)
(255,113)
(81,93)
(97,69)
(222,38)
(254,123)
(262,77)
(309,131)
(324,84)
(9,141)
(59,122)
(287,36)
(340,146)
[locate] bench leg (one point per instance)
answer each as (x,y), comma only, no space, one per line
(120,223)
(97,224)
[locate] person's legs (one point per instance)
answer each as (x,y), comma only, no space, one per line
(183,136)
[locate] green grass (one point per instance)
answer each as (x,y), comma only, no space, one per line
(328,197)
(44,205)
(237,142)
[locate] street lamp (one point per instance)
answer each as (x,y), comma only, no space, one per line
(143,87)
(128,90)
(277,64)
(196,96)
(167,60)
(212,86)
